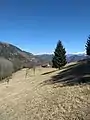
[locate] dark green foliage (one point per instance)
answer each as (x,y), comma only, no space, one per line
(88,46)
(6,68)
(59,58)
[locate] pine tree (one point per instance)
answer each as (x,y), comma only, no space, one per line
(88,46)
(59,58)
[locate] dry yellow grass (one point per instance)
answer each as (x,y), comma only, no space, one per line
(28,99)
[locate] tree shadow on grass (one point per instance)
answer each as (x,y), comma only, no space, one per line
(72,75)
(49,72)
(65,69)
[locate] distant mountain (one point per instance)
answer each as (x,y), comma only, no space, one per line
(22,58)
(10,51)
(74,58)
(69,57)
(45,58)
(19,57)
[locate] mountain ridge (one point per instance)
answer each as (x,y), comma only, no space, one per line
(17,56)
(22,58)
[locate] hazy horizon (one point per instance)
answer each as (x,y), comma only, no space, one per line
(40,53)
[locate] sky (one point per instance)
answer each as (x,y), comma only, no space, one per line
(37,25)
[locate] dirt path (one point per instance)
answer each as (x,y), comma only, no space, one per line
(26,99)
(19,90)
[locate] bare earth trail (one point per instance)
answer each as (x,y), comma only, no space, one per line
(28,99)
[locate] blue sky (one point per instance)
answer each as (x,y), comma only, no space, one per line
(37,25)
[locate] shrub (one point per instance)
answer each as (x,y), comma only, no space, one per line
(17,65)
(6,68)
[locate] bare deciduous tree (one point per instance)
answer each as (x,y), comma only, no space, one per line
(6,69)
(30,67)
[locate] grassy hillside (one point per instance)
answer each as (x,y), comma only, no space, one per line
(71,74)
(48,95)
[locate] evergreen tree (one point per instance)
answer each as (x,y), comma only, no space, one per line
(88,46)
(59,58)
